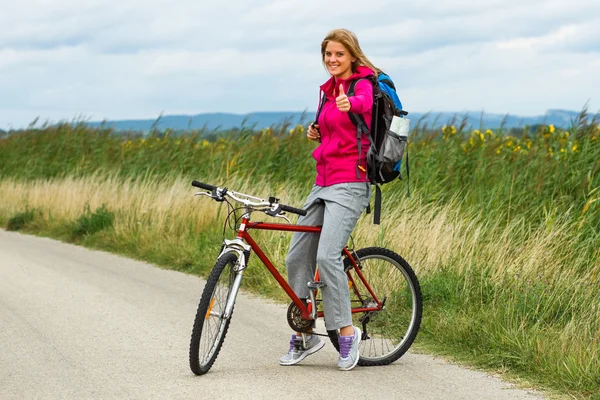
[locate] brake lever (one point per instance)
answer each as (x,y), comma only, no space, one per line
(216,198)
(276,212)
(282,216)
(273,212)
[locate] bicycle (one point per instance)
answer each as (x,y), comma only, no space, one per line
(385,293)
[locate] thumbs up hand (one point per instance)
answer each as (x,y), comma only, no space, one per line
(342,102)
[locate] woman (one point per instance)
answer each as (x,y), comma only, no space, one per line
(340,194)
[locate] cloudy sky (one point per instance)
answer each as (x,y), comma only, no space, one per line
(101,59)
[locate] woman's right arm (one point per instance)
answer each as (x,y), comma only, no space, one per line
(362,101)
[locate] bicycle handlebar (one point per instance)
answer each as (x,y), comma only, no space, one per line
(246,199)
(203,185)
(293,210)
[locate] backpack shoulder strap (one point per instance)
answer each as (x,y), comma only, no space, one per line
(359,122)
(320,109)
(357,119)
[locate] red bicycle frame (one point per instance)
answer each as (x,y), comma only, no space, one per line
(305,309)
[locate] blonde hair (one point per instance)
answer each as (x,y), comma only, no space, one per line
(349,40)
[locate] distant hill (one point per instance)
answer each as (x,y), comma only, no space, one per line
(224,121)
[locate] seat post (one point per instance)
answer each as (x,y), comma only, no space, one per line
(313,286)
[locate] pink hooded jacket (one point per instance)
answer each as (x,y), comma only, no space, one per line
(337,155)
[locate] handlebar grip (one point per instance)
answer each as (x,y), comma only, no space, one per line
(292,210)
(203,185)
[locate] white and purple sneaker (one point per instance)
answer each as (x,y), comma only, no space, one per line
(349,350)
(299,350)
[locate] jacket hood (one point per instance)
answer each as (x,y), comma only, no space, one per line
(330,87)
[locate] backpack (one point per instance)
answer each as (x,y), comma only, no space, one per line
(388,137)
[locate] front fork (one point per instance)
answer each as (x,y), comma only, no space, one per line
(233,294)
(243,252)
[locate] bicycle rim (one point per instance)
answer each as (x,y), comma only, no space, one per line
(387,334)
(210,327)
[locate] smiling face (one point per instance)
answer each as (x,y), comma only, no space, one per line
(338,60)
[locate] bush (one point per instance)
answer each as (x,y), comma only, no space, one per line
(20,220)
(93,222)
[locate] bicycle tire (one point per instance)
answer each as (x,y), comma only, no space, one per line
(204,346)
(392,330)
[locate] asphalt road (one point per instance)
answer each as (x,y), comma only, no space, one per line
(82,324)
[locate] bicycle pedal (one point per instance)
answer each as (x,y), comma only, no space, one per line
(316,285)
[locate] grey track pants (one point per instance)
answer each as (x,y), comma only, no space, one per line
(337,208)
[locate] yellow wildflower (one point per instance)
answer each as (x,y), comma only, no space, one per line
(551,128)
(448,131)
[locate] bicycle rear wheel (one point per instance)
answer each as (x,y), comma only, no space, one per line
(210,327)
(388,333)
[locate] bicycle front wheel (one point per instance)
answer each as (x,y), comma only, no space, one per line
(389,332)
(210,325)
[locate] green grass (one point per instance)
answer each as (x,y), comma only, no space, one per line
(502,230)
(90,222)
(20,220)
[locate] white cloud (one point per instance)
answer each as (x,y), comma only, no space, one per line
(61,59)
